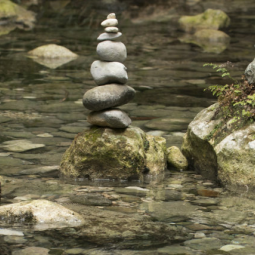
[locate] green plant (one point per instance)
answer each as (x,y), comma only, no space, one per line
(237,99)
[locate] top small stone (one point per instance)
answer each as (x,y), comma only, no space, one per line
(111,16)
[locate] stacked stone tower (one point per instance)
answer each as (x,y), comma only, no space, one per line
(111,76)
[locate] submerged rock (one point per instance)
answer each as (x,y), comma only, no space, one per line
(103,153)
(210,19)
(52,51)
(42,213)
(229,158)
(210,40)
(20,145)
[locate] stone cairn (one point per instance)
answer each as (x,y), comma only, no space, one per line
(111,76)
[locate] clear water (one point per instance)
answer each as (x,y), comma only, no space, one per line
(43,105)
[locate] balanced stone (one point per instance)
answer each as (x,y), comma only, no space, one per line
(111,29)
(109,23)
(108,72)
(112,51)
(108,96)
(113,118)
(109,36)
(111,16)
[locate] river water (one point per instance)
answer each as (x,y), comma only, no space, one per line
(41,105)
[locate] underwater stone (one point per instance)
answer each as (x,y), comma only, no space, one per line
(107,96)
(113,118)
(112,51)
(108,72)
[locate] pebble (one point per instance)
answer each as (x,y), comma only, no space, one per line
(32,251)
(111,29)
(109,23)
(20,145)
(111,16)
(14,239)
(108,72)
(199,235)
(109,36)
(230,247)
(113,118)
(112,51)
(108,96)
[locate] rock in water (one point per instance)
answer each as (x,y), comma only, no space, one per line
(107,96)
(113,118)
(250,73)
(108,72)
(109,36)
(112,51)
(104,153)
(52,51)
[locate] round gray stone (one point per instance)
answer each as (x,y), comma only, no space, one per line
(108,72)
(113,118)
(112,51)
(108,96)
(109,36)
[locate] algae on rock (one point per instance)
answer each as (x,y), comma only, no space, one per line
(104,153)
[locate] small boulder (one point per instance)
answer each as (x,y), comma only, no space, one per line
(108,72)
(250,73)
(42,213)
(104,153)
(176,158)
(52,51)
(110,95)
(112,51)
(210,19)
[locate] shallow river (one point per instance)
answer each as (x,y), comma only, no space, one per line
(41,107)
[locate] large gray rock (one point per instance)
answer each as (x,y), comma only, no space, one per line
(109,36)
(113,118)
(103,153)
(42,213)
(104,97)
(112,51)
(250,73)
(105,72)
(228,157)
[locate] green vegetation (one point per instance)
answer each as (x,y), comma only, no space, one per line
(236,100)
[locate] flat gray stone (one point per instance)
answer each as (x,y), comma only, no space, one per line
(108,96)
(109,36)
(109,23)
(113,118)
(108,72)
(40,170)
(92,199)
(204,244)
(32,251)
(111,30)
(10,232)
(112,51)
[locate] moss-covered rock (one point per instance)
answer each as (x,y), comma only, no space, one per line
(176,159)
(221,153)
(210,40)
(114,154)
(210,19)
(13,13)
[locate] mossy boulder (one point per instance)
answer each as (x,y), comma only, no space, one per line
(176,159)
(210,40)
(104,153)
(221,152)
(210,19)
(13,13)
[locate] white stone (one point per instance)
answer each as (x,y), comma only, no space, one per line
(109,36)
(137,188)
(108,72)
(40,170)
(111,16)
(109,23)
(45,135)
(112,51)
(111,29)
(10,232)
(230,247)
